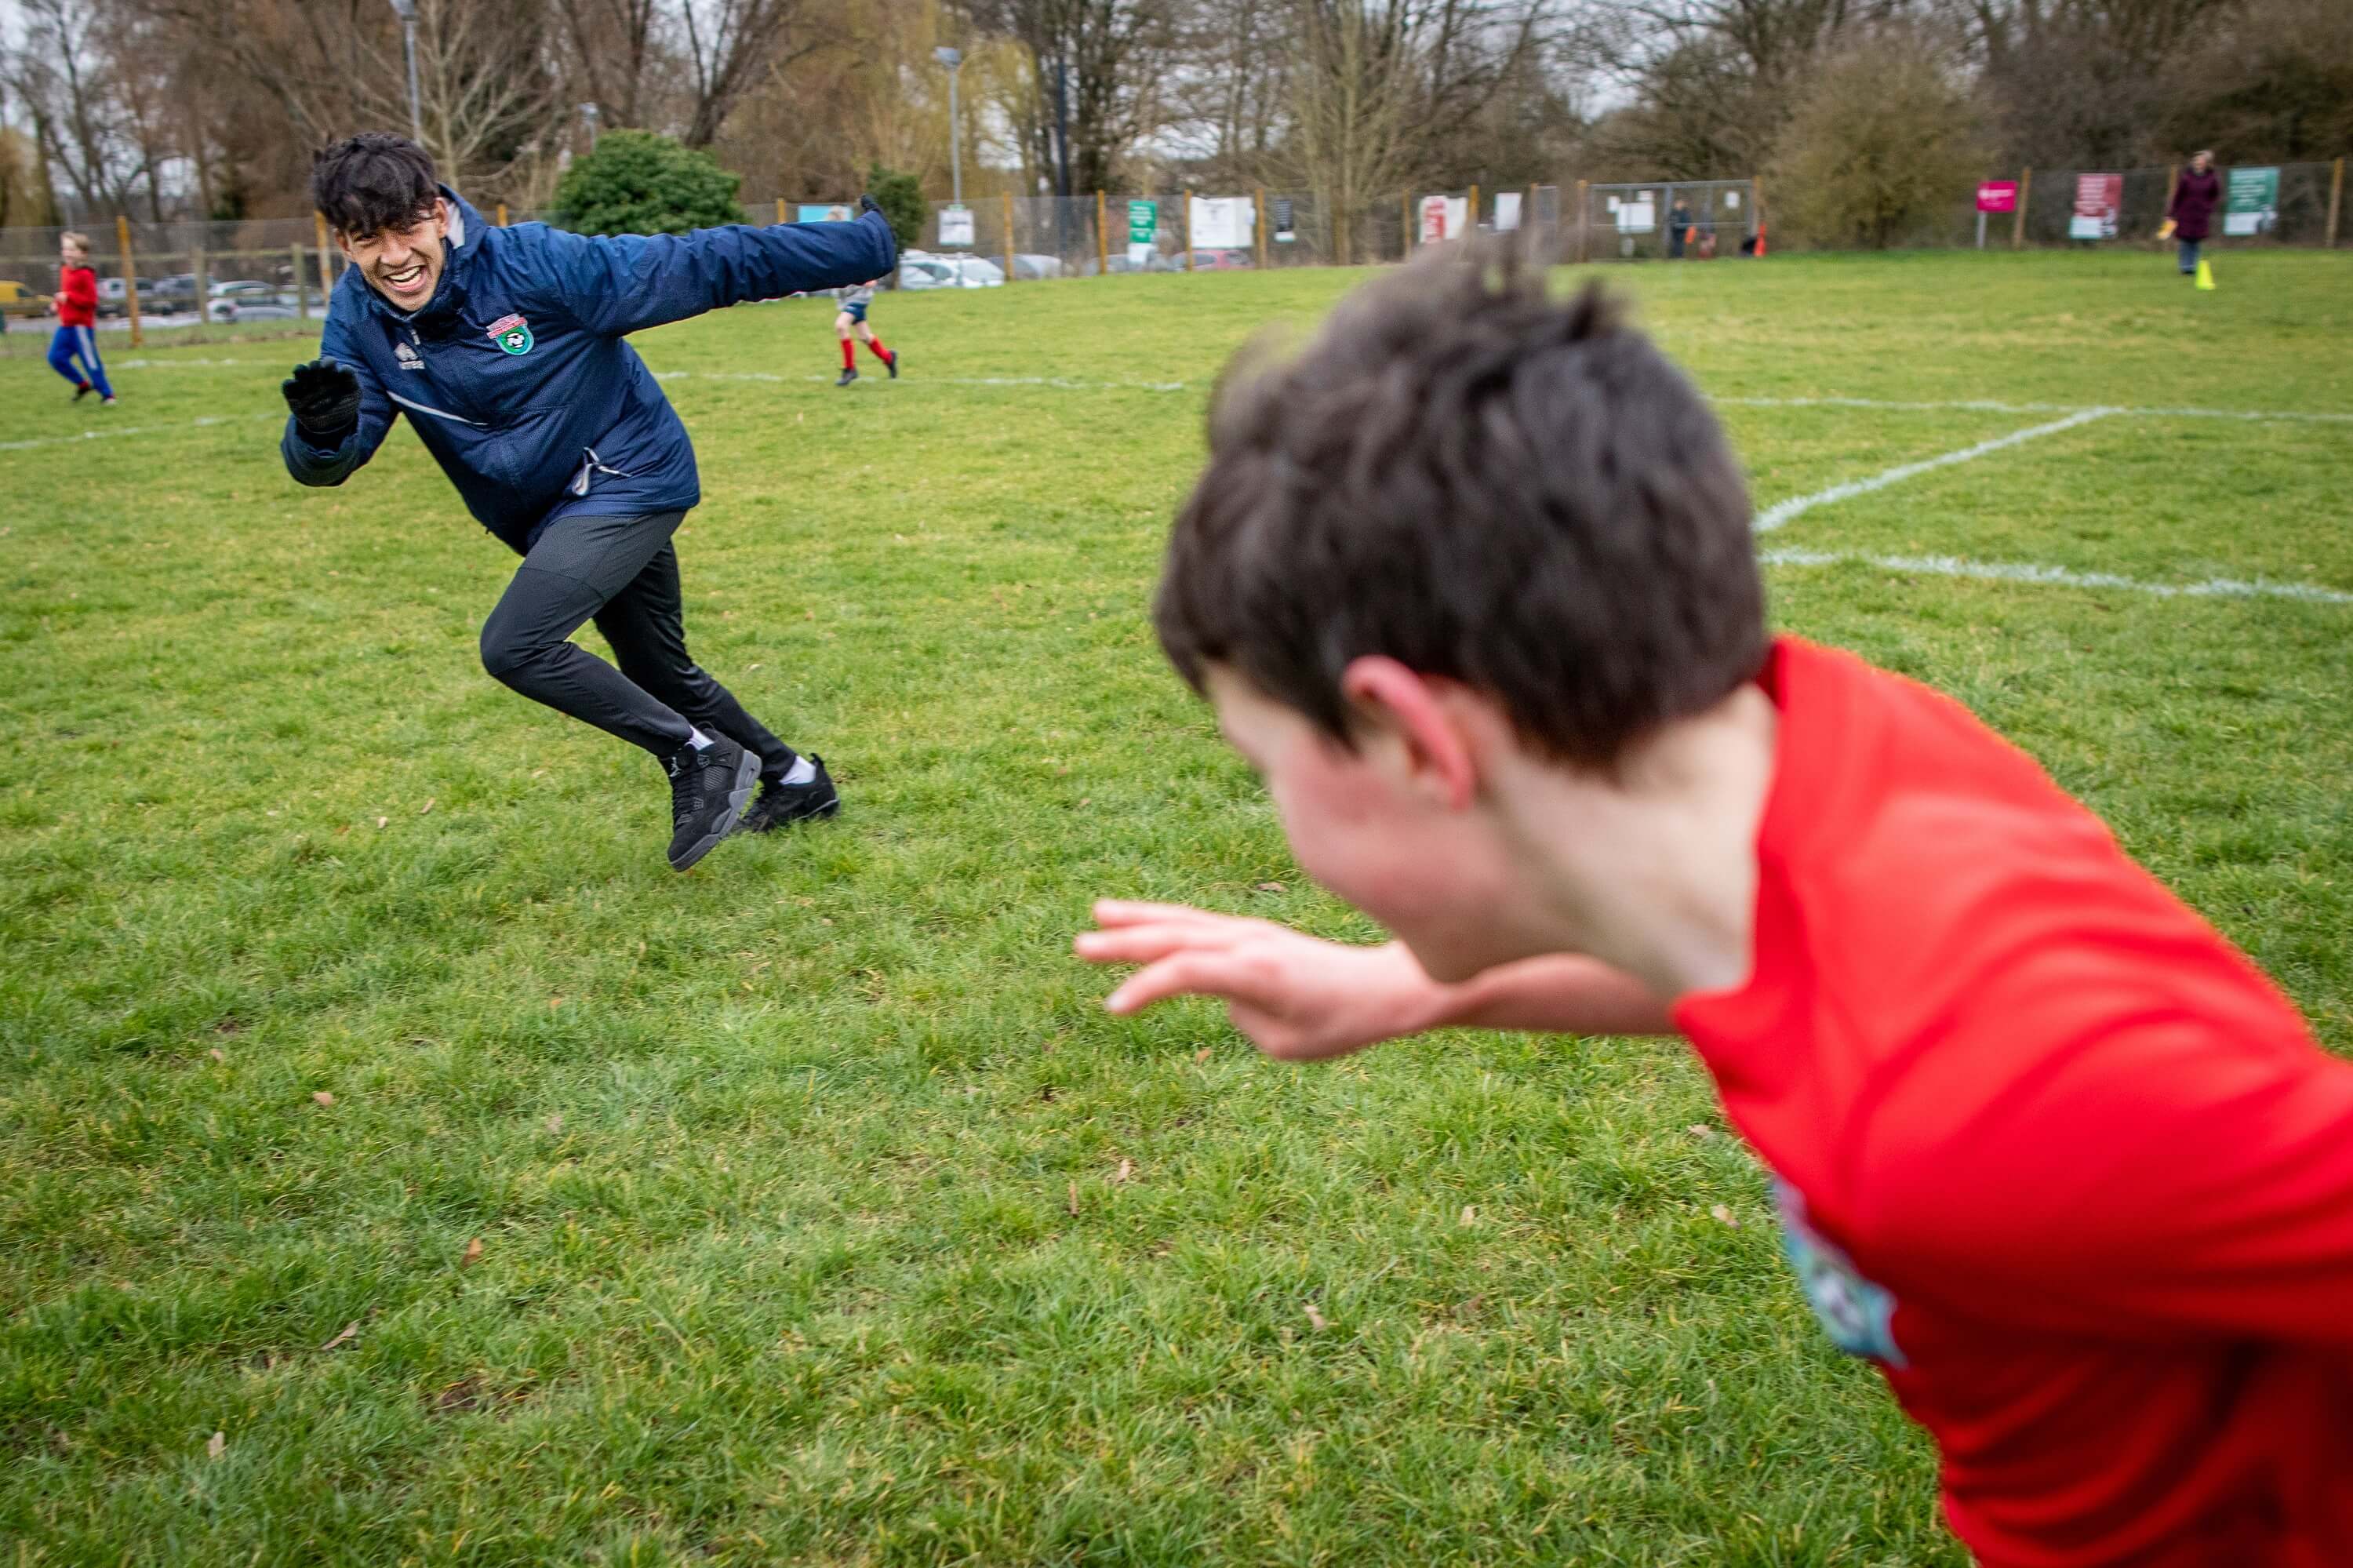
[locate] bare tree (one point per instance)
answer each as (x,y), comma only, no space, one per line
(1380,85)
(1105,65)
(613,50)
(730,44)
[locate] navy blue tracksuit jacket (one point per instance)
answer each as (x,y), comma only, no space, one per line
(515,373)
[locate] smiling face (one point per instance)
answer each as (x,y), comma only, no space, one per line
(403,264)
(73,253)
(2203,161)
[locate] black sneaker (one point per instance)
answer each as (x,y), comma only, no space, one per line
(82,392)
(892,365)
(707,791)
(847,377)
(781,803)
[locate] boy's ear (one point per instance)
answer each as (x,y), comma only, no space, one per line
(1420,718)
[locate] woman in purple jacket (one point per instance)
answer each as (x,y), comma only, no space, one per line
(2195,196)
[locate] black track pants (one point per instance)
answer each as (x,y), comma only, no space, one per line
(622,573)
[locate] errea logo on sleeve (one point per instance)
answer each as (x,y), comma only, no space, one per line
(510,332)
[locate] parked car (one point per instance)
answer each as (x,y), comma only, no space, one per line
(113,297)
(1117,264)
(919,272)
(166,295)
(249,301)
(1029,268)
(20,300)
(1222,260)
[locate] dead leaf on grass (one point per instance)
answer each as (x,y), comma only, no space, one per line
(1700,1129)
(474,1254)
(380,821)
(1273,887)
(1726,1216)
(1203,1055)
(1470,1213)
(426,808)
(350,1331)
(323,1097)
(217,1446)
(1315,1320)
(1074,1199)
(1126,1172)
(217,1054)
(556,1122)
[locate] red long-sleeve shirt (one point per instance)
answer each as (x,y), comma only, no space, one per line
(2047,1147)
(77,296)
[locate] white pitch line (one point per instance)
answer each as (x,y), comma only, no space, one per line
(2059,577)
(1067,383)
(1987,406)
(1780,513)
(26,446)
(1061,383)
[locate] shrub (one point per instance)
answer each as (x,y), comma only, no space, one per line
(1879,143)
(639,183)
(902,199)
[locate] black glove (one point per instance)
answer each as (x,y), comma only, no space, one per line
(325,399)
(867,204)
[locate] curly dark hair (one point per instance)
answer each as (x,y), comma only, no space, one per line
(1488,483)
(372,182)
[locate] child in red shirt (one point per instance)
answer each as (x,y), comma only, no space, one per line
(1471,583)
(73,347)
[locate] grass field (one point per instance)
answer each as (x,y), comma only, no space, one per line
(807,1207)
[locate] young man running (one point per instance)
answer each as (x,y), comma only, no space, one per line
(73,347)
(504,347)
(1471,584)
(852,315)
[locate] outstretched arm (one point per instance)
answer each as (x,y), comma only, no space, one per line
(620,283)
(338,414)
(1301,998)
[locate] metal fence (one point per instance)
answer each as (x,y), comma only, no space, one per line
(286,264)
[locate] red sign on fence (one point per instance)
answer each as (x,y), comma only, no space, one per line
(2099,204)
(1998,195)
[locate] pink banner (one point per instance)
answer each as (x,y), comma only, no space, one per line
(1998,195)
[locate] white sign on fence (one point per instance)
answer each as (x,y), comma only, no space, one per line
(956,226)
(1444,218)
(1223,223)
(1507,211)
(1637,215)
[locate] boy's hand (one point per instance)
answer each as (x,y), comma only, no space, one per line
(324,398)
(1297,997)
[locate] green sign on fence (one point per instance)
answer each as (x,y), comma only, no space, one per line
(1142,221)
(2250,202)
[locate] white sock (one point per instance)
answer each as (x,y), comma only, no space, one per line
(699,741)
(801,771)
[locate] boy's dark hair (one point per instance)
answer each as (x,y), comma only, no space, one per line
(1487,485)
(372,182)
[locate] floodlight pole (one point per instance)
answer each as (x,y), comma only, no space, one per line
(954,60)
(407,9)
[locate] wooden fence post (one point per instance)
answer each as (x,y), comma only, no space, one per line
(1102,237)
(1259,228)
(130,278)
(1009,237)
(1474,210)
(2018,223)
(203,291)
(780,211)
(1189,228)
(503,215)
(2336,199)
(1405,226)
(1582,255)
(301,294)
(326,265)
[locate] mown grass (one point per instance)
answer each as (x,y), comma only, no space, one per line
(822,1215)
